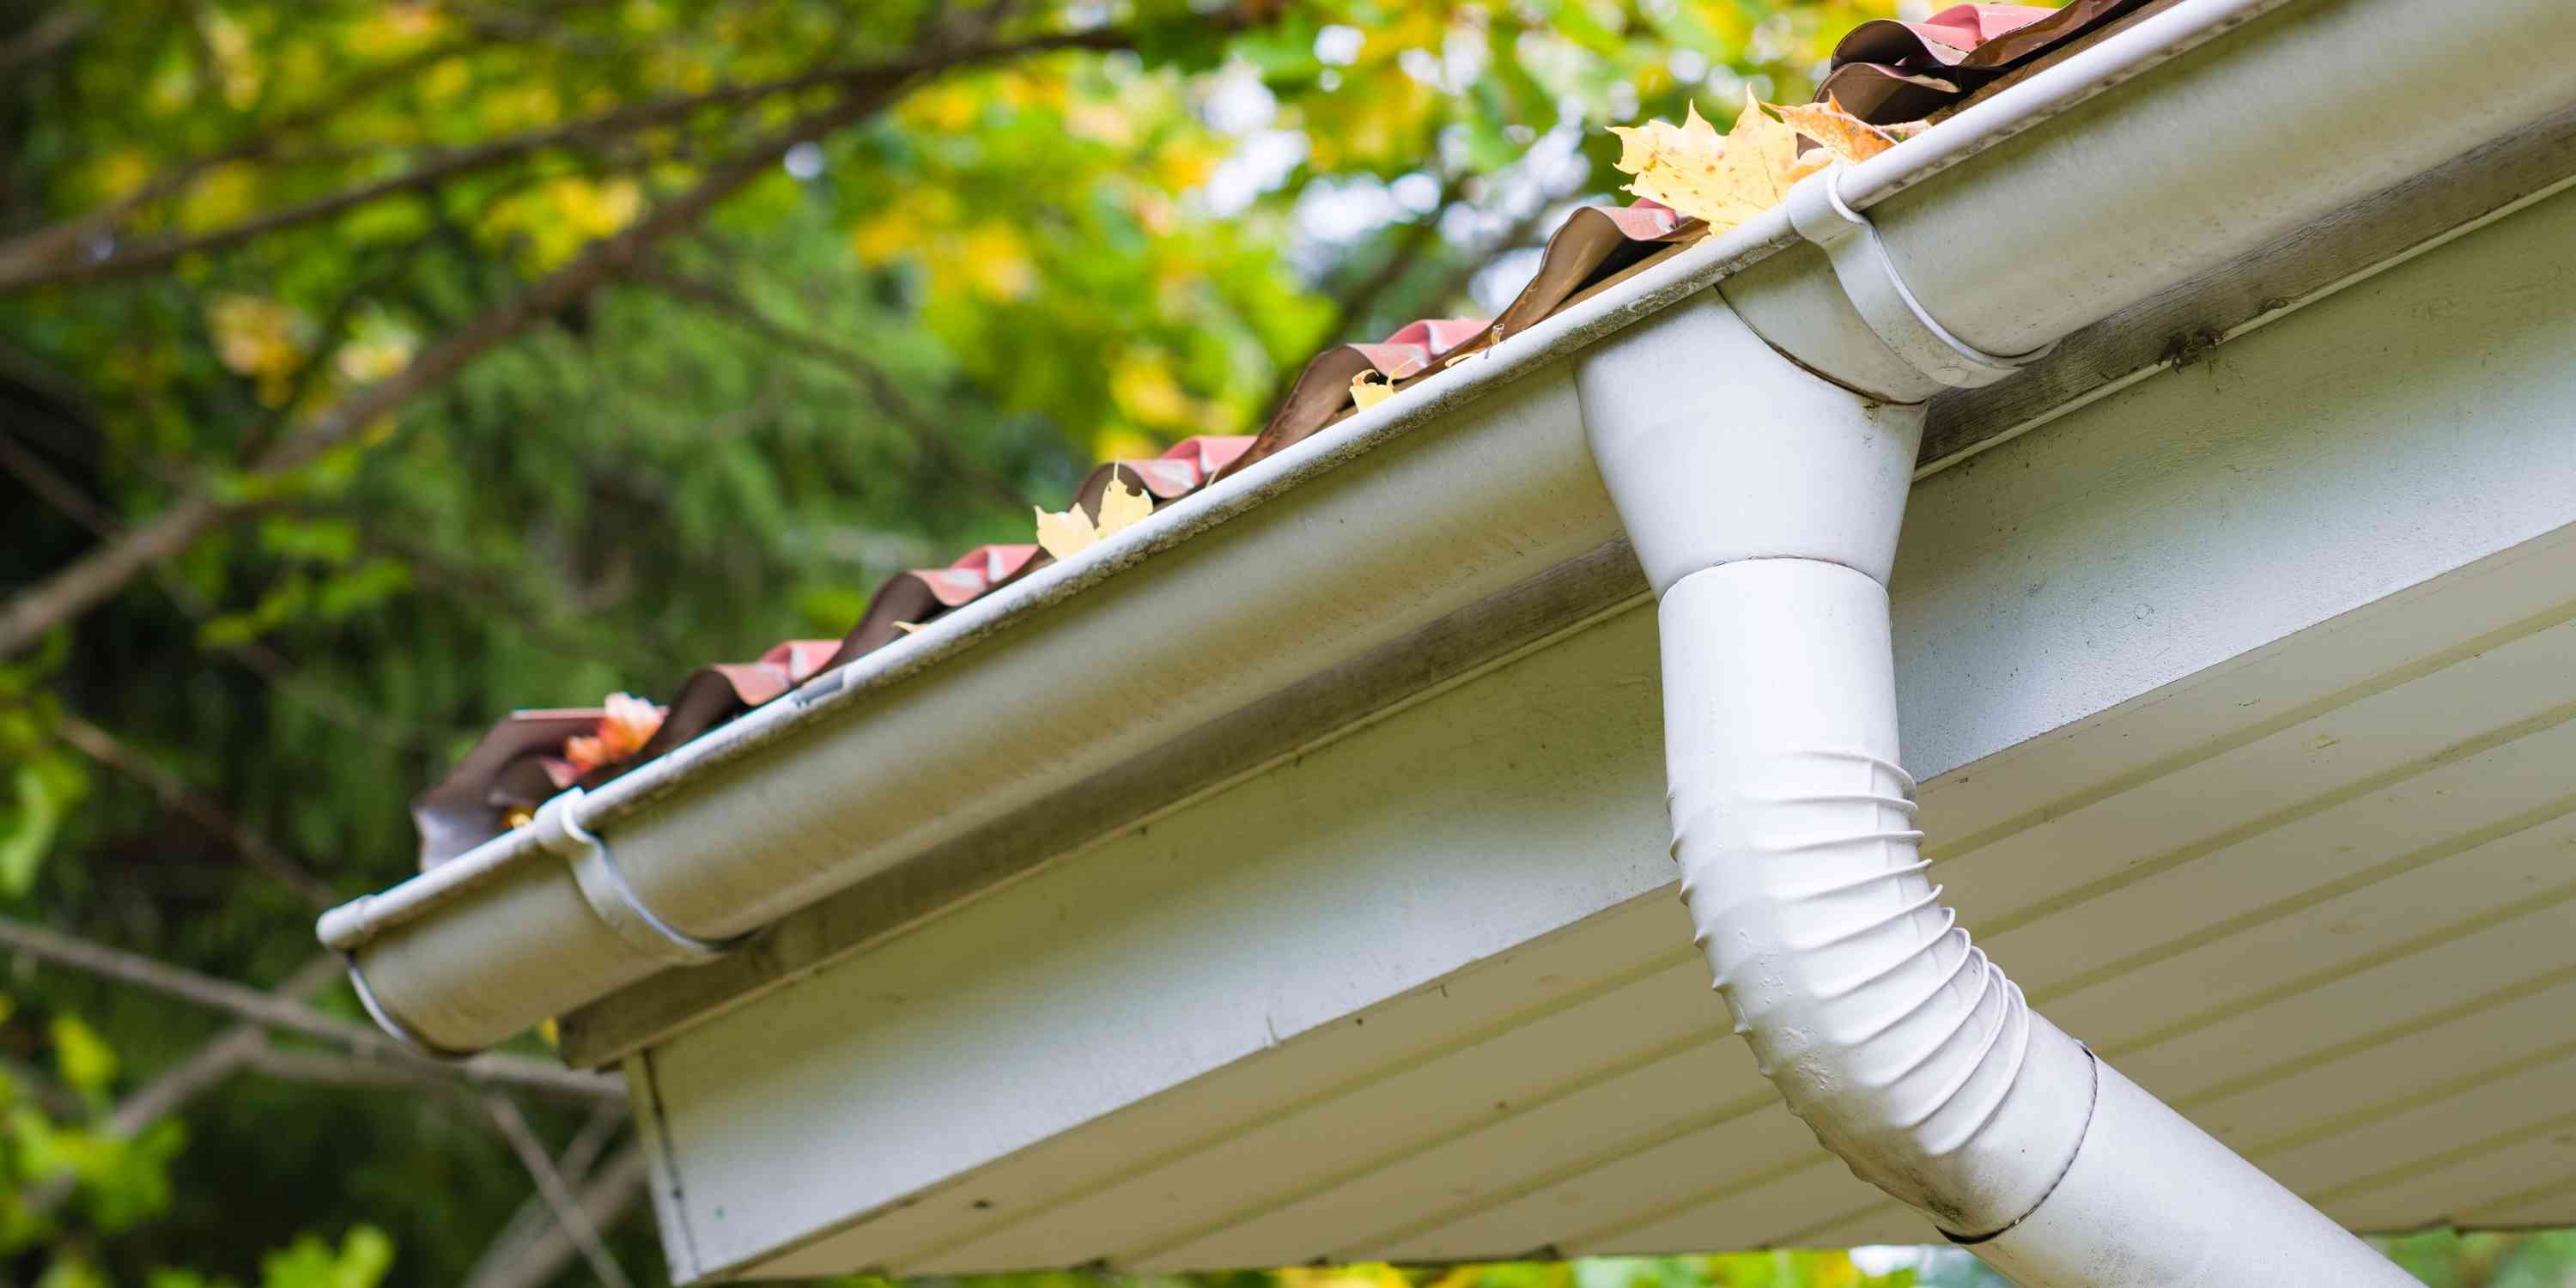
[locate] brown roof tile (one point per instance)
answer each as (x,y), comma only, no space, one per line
(1887,72)
(1323,390)
(1593,242)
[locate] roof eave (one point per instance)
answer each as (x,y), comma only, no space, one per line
(1034,721)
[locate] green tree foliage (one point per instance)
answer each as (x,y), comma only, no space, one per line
(368,369)
(2446,1259)
(72,1181)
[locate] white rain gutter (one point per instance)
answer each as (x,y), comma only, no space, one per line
(1763,500)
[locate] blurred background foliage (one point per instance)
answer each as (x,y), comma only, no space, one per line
(367,370)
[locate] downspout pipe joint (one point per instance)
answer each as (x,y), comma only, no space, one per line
(1763,494)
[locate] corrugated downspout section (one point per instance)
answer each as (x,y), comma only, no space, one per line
(1767,525)
(1911,1055)
(1767,522)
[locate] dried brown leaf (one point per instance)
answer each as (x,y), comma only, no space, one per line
(1842,135)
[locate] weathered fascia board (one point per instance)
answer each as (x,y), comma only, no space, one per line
(2210,559)
(1553,561)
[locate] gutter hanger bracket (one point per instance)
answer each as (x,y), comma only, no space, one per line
(605,888)
(1869,278)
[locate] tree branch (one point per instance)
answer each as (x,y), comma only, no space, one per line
(317,363)
(257,657)
(534,1219)
(53,242)
(105,748)
(488,592)
(27,615)
(275,1012)
(1356,299)
(200,1072)
(559,1197)
(1523,232)
(50,486)
(45,36)
(881,389)
(49,1094)
(48,257)
(604,1198)
(217,1060)
(330,1069)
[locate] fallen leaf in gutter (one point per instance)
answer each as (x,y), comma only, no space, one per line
(1845,136)
(623,731)
(1072,532)
(1723,181)
(1368,389)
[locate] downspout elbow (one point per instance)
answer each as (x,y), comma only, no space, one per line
(1911,1055)
(1768,528)
(1764,502)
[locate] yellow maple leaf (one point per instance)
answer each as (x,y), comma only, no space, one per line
(1724,181)
(1840,133)
(1072,532)
(1368,389)
(261,338)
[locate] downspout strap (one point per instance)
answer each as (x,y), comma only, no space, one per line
(605,888)
(1869,277)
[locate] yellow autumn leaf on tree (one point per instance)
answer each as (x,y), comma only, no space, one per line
(1840,133)
(598,209)
(991,259)
(260,338)
(1144,386)
(119,173)
(379,349)
(1117,442)
(1072,532)
(1723,180)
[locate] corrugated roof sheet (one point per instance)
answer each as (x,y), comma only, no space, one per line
(1886,72)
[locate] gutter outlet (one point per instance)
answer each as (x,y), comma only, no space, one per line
(1767,523)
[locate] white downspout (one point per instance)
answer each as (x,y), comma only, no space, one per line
(1765,505)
